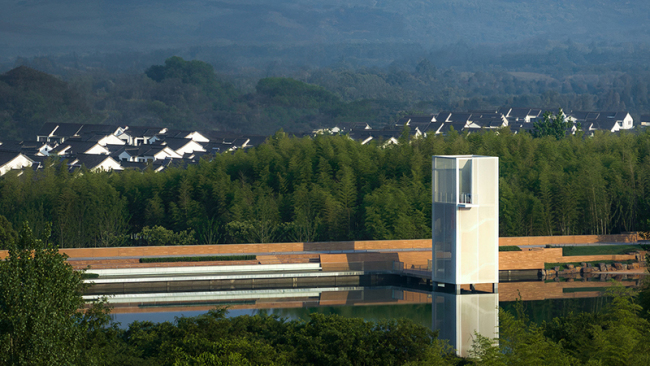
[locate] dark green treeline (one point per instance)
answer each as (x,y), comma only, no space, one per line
(332,188)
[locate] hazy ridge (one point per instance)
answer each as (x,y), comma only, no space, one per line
(39,27)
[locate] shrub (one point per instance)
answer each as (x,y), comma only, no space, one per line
(509,248)
(159,236)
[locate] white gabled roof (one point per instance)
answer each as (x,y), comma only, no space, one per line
(13,160)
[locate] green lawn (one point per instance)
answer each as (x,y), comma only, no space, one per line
(509,248)
(601,249)
(584,289)
(199,258)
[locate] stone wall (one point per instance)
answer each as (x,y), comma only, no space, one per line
(569,239)
(153,251)
(534,258)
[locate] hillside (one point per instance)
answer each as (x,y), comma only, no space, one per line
(29,98)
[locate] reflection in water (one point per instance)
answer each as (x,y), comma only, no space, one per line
(456,316)
(459,317)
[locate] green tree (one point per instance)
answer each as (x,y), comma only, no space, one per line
(40,298)
(551,125)
(7,234)
(158,235)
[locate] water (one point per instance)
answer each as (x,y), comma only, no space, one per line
(457,317)
(542,302)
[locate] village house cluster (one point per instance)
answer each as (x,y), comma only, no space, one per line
(109,147)
(517,119)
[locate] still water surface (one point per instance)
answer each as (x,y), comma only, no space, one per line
(457,317)
(372,304)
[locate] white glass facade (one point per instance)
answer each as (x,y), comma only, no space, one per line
(465,219)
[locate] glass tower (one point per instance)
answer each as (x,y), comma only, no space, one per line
(465,220)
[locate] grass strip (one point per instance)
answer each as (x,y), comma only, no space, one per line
(563,266)
(601,249)
(199,258)
(89,276)
(509,248)
(570,290)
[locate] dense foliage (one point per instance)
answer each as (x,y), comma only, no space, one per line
(179,94)
(29,98)
(332,188)
(40,301)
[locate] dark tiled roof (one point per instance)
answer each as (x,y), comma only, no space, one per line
(375,134)
(592,115)
(416,119)
(15,146)
(180,133)
(460,117)
(149,150)
(442,116)
(360,126)
(90,160)
(504,110)
(604,124)
(458,127)
(47,129)
(99,129)
(134,165)
(68,129)
(217,147)
(579,115)
(76,146)
(519,112)
(435,127)
(256,140)
(483,111)
(143,131)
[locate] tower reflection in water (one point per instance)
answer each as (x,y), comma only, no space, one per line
(459,317)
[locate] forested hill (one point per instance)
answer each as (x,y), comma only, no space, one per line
(179,94)
(29,98)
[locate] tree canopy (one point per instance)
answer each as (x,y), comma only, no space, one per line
(552,125)
(40,301)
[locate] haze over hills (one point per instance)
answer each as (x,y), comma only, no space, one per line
(33,27)
(378,59)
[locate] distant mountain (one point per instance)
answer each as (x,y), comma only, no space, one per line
(29,27)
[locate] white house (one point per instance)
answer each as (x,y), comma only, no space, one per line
(12,160)
(609,121)
(155,152)
(110,140)
(140,135)
(96,162)
(182,145)
(73,147)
